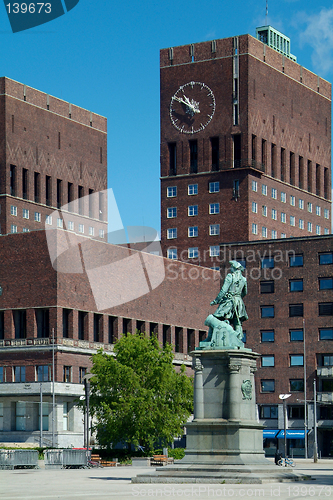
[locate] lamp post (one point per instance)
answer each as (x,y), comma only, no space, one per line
(86,382)
(315,451)
(284,398)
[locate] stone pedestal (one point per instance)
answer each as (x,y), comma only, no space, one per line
(225,429)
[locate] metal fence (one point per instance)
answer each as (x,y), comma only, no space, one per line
(11,459)
(58,459)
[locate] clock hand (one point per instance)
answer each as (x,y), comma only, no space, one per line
(192,105)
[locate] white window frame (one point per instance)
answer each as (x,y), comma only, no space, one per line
(193,252)
(254,207)
(292,220)
(172,233)
(172,253)
(171,212)
(310,207)
(264,211)
(254,228)
(292,200)
(13,210)
(81,228)
(70,225)
(318,230)
(13,228)
(214,251)
(192,210)
(274,193)
(264,189)
(254,186)
(283,217)
(301,204)
(91,231)
(38,217)
(264,232)
(326,213)
(214,229)
(192,231)
(101,233)
(283,197)
(171,191)
(214,187)
(214,208)
(25,213)
(318,210)
(274,234)
(301,224)
(310,227)
(274,214)
(60,223)
(192,189)
(48,220)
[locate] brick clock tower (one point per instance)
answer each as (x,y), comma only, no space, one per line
(245,146)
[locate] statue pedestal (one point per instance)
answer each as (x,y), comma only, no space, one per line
(225,429)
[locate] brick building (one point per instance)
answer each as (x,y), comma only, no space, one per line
(290,309)
(237,114)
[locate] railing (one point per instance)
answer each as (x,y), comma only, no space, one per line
(11,459)
(83,344)
(57,459)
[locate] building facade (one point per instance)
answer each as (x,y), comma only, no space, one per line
(237,114)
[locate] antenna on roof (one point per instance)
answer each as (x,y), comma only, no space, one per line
(266,11)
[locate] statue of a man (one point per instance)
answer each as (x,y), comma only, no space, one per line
(231,307)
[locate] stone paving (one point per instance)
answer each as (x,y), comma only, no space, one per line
(115,483)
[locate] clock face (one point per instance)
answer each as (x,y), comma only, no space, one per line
(192,107)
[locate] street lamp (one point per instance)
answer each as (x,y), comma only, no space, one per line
(86,382)
(284,398)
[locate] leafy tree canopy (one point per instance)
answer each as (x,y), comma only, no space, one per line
(137,397)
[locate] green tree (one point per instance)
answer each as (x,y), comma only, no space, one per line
(138,397)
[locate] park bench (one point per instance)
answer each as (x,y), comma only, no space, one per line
(108,463)
(95,458)
(161,460)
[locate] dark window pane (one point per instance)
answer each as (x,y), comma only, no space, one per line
(326,258)
(296,285)
(326,309)
(326,334)
(295,310)
(267,311)
(297,385)
(296,335)
(267,360)
(325,283)
(267,262)
(267,336)
(296,360)
(296,260)
(267,385)
(267,287)
(327,385)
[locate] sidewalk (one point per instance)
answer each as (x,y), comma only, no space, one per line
(115,483)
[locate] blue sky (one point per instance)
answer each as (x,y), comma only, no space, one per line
(104,56)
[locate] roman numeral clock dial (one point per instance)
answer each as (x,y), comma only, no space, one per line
(192,107)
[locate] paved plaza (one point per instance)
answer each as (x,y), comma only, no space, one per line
(115,483)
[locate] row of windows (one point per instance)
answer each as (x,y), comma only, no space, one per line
(274,233)
(192,189)
(274,212)
(268,385)
(268,360)
(193,231)
(193,210)
(295,412)
(297,310)
(296,335)
(42,373)
(23,412)
(296,285)
(295,260)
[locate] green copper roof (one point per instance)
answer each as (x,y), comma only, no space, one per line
(276,40)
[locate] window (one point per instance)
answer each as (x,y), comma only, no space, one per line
(25,183)
(264,189)
(172,191)
(13,180)
(292,220)
(267,361)
(48,220)
(13,228)
(296,360)
(91,231)
(326,230)
(301,204)
(267,311)
(98,327)
(318,210)
(82,373)
(318,229)
(326,309)
(25,213)
(283,217)
(268,411)
(60,223)
(48,190)
(296,385)
(43,373)
(301,224)
(267,336)
(274,214)
(267,287)
(296,285)
(296,260)
(292,200)
(81,228)
(65,425)
(267,385)
(215,153)
(43,322)
(326,334)
(193,156)
(274,193)
(214,187)
(254,207)
(214,251)
(172,158)
(193,232)
(1,416)
(172,253)
(45,416)
(295,310)
(214,229)
(171,212)
(20,415)
(192,189)
(283,197)
(38,217)
(326,213)
(172,233)
(296,335)
(254,228)
(264,211)
(264,232)
(37,187)
(193,253)
(101,233)
(254,186)
(310,207)
(296,412)
(214,208)
(13,210)
(19,373)
(325,283)
(310,227)
(192,210)
(267,263)
(325,258)
(274,234)
(67,374)
(25,230)
(59,193)
(283,235)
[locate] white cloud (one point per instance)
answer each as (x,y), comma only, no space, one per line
(319,35)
